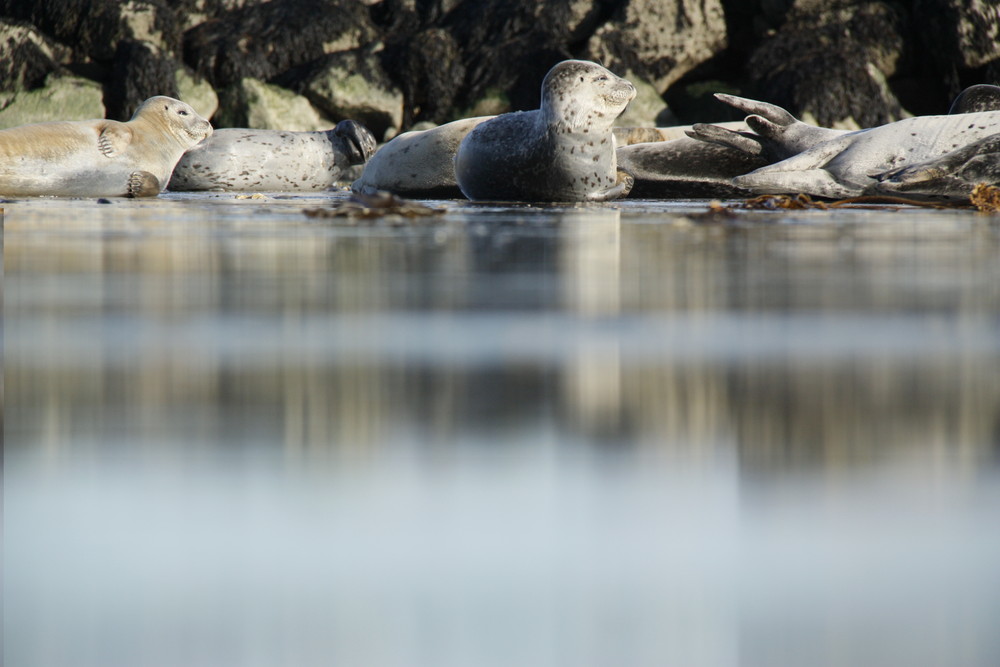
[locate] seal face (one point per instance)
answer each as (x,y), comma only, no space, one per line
(273,160)
(563,151)
(100,158)
(951,176)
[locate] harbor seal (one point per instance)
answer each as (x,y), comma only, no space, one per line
(849,165)
(273,160)
(563,151)
(418,164)
(951,176)
(981,97)
(100,158)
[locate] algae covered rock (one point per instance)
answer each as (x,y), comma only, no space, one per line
(354,85)
(259,105)
(61,98)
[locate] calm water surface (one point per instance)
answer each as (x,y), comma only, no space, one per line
(623,434)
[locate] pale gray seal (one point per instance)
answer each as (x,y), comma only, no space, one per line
(951,176)
(563,151)
(848,165)
(418,164)
(273,160)
(100,158)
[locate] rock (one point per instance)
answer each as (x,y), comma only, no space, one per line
(832,65)
(428,68)
(353,85)
(659,40)
(93,28)
(259,105)
(263,41)
(197,92)
(645,108)
(965,33)
(61,98)
(27,56)
(140,71)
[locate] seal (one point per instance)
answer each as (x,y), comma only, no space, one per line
(418,164)
(273,160)
(849,165)
(563,151)
(981,97)
(100,158)
(951,176)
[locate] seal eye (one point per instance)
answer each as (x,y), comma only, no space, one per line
(182,112)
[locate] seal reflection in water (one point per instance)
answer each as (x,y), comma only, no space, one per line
(100,158)
(564,151)
(273,160)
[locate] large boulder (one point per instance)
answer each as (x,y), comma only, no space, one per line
(353,85)
(659,40)
(831,65)
(197,92)
(263,41)
(61,98)
(27,56)
(428,68)
(95,27)
(140,71)
(253,103)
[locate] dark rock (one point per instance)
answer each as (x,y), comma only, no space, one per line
(660,41)
(428,69)
(262,41)
(27,56)
(140,71)
(831,66)
(93,28)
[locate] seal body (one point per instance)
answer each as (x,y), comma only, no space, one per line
(418,164)
(849,165)
(563,151)
(273,160)
(100,158)
(951,176)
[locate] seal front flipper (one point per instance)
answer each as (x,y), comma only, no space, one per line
(142,184)
(114,139)
(623,185)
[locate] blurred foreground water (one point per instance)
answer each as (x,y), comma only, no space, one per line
(624,434)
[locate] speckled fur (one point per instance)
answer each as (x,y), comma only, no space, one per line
(849,165)
(100,158)
(564,151)
(951,176)
(273,160)
(418,164)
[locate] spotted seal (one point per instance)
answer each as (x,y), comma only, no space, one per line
(418,164)
(563,151)
(273,160)
(951,176)
(981,97)
(100,158)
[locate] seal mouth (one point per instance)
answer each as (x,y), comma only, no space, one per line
(621,95)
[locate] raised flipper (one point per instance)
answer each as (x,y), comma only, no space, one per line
(114,138)
(142,184)
(745,142)
(803,173)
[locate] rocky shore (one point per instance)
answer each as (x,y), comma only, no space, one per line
(391,64)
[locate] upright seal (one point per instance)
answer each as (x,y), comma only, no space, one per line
(100,158)
(564,151)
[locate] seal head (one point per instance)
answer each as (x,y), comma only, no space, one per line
(563,151)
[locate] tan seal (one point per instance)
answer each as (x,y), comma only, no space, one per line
(100,158)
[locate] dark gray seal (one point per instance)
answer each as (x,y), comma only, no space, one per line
(273,160)
(100,158)
(563,151)
(981,97)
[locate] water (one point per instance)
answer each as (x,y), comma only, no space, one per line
(617,434)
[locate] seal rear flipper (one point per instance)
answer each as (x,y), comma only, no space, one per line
(143,184)
(771,112)
(744,142)
(114,139)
